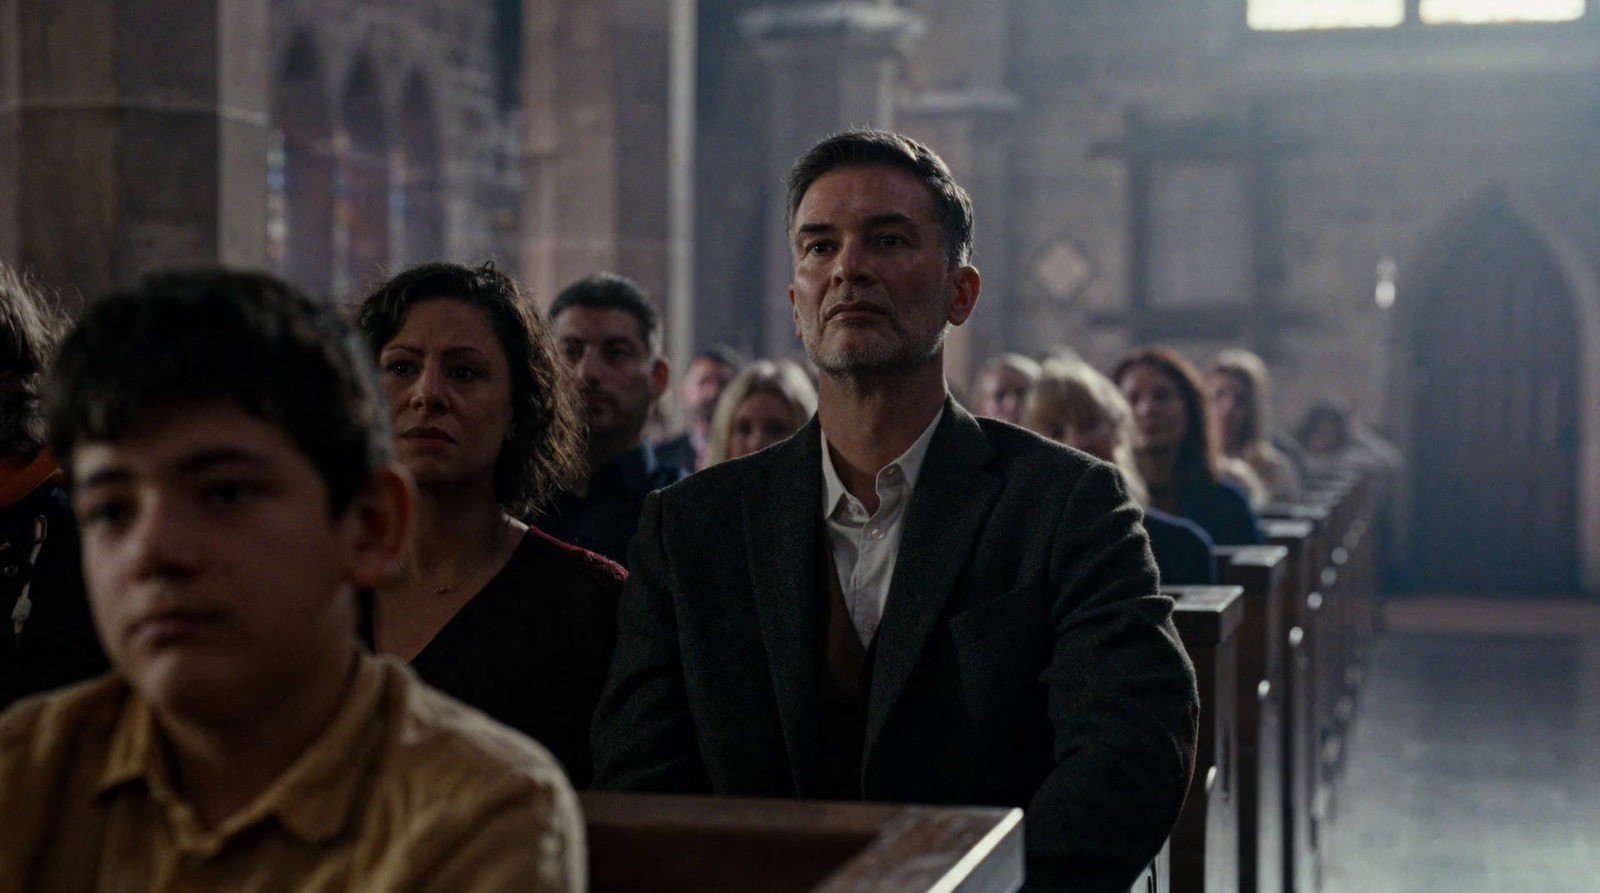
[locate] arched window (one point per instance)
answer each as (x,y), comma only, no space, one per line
(361,185)
(418,196)
(300,172)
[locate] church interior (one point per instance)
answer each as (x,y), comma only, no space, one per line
(1393,203)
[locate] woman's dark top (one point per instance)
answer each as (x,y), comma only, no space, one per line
(1222,510)
(1182,549)
(533,647)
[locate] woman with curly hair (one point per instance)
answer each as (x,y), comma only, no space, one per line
(51,640)
(487,608)
(1173,448)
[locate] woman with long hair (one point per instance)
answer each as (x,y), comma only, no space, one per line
(488,609)
(766,402)
(1072,403)
(1240,396)
(1173,449)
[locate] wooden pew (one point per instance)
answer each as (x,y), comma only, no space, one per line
(648,843)
(1158,877)
(1262,572)
(1205,843)
(1351,582)
(1295,739)
(1319,619)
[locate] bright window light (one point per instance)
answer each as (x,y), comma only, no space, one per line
(1477,12)
(1305,15)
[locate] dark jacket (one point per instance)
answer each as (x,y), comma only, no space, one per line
(678,451)
(1222,510)
(603,519)
(1024,657)
(57,644)
(1182,549)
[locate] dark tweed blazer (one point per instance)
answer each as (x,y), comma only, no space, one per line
(1024,657)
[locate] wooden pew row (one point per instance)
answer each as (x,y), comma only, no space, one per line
(1318,622)
(648,843)
(1205,844)
(1262,572)
(1332,579)
(1351,579)
(1158,877)
(1296,845)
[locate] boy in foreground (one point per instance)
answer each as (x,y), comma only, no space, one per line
(232,473)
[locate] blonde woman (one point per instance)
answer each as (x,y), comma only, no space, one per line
(1239,399)
(765,403)
(1072,403)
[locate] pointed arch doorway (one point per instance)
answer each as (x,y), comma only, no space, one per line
(1494,359)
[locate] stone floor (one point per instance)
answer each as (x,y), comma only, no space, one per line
(1474,766)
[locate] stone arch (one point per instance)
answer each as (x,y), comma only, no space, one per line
(418,172)
(1570,306)
(300,169)
(362,185)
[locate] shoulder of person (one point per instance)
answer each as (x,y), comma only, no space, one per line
(553,557)
(477,807)
(726,480)
(1177,525)
(462,749)
(1024,452)
(48,725)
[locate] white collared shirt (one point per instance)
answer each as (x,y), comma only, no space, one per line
(864,546)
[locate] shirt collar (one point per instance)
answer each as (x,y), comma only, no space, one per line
(313,798)
(910,463)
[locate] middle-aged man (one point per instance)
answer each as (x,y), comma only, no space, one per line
(611,335)
(231,468)
(902,602)
(708,375)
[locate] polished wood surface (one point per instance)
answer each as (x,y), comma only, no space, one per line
(1205,843)
(646,843)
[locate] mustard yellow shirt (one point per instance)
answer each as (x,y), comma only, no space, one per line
(406,790)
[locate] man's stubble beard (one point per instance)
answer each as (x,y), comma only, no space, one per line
(871,361)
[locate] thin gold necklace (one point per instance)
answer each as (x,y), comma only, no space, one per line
(446,590)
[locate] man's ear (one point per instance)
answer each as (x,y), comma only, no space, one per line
(660,375)
(795,312)
(966,282)
(378,525)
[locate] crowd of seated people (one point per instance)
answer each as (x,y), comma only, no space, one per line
(476,469)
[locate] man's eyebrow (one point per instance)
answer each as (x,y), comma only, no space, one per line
(806,229)
(105,477)
(894,217)
(205,460)
(196,463)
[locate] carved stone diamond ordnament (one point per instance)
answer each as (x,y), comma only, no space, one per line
(1063,269)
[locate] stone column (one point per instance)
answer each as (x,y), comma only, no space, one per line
(959,105)
(831,66)
(128,143)
(609,110)
(971,129)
